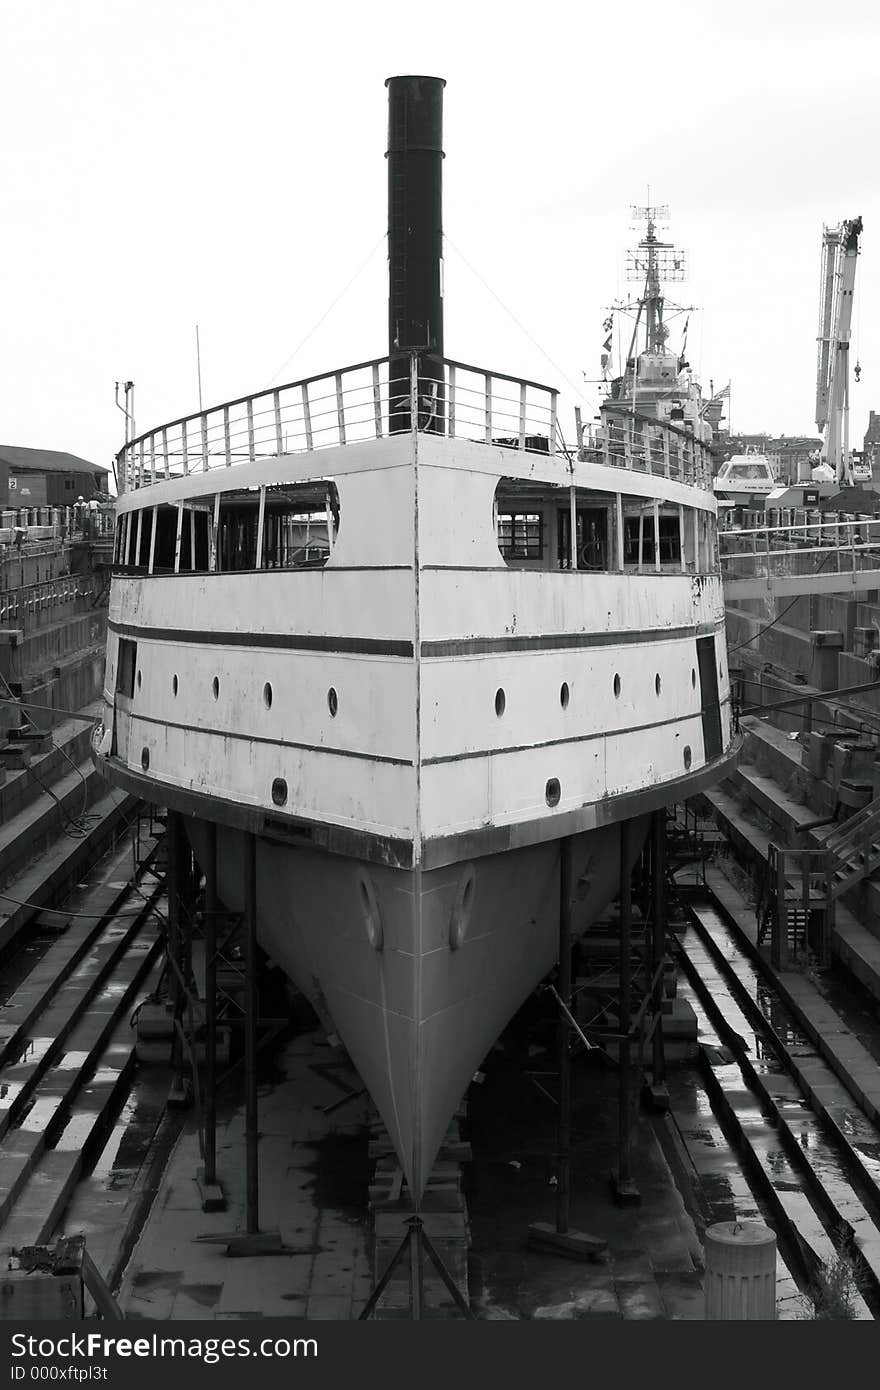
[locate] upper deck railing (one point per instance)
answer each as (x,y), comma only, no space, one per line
(387,396)
(630,439)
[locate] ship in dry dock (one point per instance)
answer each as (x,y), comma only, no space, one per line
(409,657)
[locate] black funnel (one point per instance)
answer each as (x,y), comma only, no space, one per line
(415,243)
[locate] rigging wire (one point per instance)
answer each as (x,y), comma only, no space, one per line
(313,330)
(77,826)
(779,616)
(578,390)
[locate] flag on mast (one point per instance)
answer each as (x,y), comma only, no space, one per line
(606,346)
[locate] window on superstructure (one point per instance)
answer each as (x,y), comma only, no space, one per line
(298,525)
(194,540)
(640,527)
(237,532)
(521,535)
(670,541)
(146,532)
(166,540)
(638,535)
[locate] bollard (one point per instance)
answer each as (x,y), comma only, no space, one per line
(740,1271)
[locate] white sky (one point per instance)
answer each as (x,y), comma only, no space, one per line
(173,162)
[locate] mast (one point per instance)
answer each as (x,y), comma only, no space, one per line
(654,261)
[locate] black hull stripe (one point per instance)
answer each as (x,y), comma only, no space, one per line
(277,641)
(374,646)
(283,743)
(279,743)
(562,641)
(569,739)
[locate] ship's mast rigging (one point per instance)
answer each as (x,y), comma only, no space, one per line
(654,262)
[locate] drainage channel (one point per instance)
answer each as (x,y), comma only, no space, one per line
(819,1178)
(66,1050)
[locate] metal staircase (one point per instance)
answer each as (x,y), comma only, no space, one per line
(855,848)
(796,906)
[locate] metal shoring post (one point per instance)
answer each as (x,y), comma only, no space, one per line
(625,1190)
(415,1267)
(173,833)
(659,1093)
(252,1191)
(211,1006)
(559,1239)
(211,1191)
(563,1187)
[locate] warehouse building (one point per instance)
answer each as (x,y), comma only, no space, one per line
(48,478)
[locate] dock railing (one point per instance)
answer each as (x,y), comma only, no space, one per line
(390,395)
(845,545)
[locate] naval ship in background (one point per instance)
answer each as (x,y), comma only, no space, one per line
(398,645)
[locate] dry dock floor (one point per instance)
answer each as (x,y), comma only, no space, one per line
(314,1178)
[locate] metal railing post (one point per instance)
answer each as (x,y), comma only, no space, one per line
(377,401)
(252,452)
(414,391)
(340,408)
(307,415)
(487,406)
(276,405)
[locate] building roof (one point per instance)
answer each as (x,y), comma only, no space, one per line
(46,461)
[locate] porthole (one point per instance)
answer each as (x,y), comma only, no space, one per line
(657,684)
(564,695)
(145,759)
(693,679)
(215,687)
(279,791)
(174,686)
(332,702)
(688,757)
(267,695)
(500,702)
(553,791)
(616,686)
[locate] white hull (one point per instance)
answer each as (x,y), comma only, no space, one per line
(417,1017)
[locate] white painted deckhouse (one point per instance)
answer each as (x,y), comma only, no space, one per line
(381,622)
